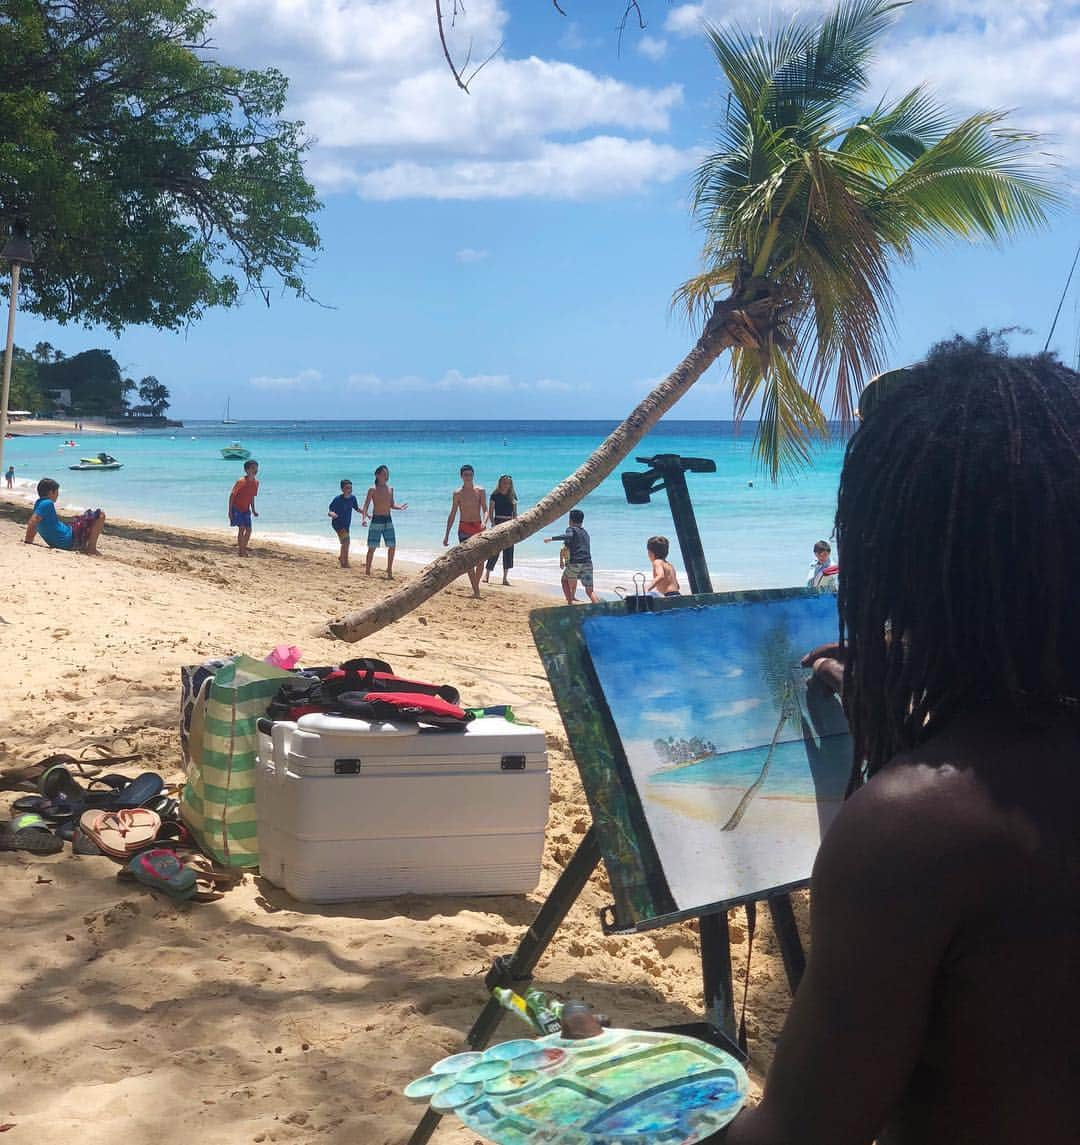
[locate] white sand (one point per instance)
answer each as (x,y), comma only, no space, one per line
(124,1017)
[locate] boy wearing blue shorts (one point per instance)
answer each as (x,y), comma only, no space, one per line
(242,505)
(381,499)
(340,514)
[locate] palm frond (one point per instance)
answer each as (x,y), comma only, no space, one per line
(806,203)
(897,133)
(831,71)
(790,419)
(976,181)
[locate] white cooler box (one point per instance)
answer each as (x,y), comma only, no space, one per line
(351,810)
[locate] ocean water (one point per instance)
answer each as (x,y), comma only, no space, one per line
(789,775)
(755,535)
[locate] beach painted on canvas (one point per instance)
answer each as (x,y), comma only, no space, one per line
(738,763)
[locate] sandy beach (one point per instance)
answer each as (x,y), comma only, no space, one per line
(39,427)
(257,1018)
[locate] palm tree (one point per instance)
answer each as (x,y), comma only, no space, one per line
(806,206)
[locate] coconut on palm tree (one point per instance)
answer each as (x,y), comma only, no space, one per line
(807,205)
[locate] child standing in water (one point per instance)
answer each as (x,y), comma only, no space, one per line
(502,507)
(381,499)
(665,580)
(471,502)
(242,506)
(580,566)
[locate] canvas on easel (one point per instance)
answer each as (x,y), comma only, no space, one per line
(711,763)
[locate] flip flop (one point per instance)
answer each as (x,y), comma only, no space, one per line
(19,778)
(121,833)
(81,843)
(57,809)
(161,870)
(29,832)
(58,780)
(213,880)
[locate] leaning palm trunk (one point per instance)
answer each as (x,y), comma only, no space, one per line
(803,212)
(732,324)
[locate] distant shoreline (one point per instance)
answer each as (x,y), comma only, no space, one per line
(44,427)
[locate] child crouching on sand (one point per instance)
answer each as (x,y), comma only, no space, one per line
(81,536)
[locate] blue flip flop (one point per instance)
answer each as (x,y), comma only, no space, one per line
(161,870)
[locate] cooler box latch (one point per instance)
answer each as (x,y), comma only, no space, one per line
(513,763)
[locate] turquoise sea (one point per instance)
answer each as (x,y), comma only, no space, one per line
(755,535)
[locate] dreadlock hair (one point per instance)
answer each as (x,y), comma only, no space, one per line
(959,524)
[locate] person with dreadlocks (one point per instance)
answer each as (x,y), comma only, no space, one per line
(941,999)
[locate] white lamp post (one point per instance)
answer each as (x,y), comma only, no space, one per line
(19,253)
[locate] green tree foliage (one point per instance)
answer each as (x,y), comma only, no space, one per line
(97,387)
(155,181)
(809,201)
(25,391)
(673,750)
(154,395)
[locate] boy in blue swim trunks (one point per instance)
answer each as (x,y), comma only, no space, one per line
(80,536)
(340,514)
(381,499)
(242,505)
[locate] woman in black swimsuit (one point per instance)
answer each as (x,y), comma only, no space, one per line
(502,506)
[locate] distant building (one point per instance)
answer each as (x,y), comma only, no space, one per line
(61,399)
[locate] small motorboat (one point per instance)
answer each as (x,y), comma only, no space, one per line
(235,452)
(101,461)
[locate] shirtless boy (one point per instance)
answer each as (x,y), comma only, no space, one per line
(665,580)
(381,499)
(470,501)
(941,998)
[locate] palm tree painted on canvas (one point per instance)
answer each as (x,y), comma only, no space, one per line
(806,205)
(776,656)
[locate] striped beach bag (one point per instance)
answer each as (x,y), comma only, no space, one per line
(218,802)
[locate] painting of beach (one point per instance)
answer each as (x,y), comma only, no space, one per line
(739,761)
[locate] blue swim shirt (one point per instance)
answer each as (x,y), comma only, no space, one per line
(50,528)
(344,507)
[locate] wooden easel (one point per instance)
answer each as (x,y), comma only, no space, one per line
(638,895)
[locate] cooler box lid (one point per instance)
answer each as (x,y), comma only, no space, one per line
(332,745)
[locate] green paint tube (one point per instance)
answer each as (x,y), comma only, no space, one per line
(544,1011)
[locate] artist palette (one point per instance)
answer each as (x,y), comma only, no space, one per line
(623,1087)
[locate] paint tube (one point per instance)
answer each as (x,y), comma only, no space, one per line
(514,1003)
(544,1011)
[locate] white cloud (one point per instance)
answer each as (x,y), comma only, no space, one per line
(975,54)
(596,168)
(368,79)
(454,381)
(734,708)
(653,47)
(669,719)
(469,254)
(285,382)
(685,19)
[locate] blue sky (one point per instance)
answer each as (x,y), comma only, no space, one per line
(512,252)
(722,694)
